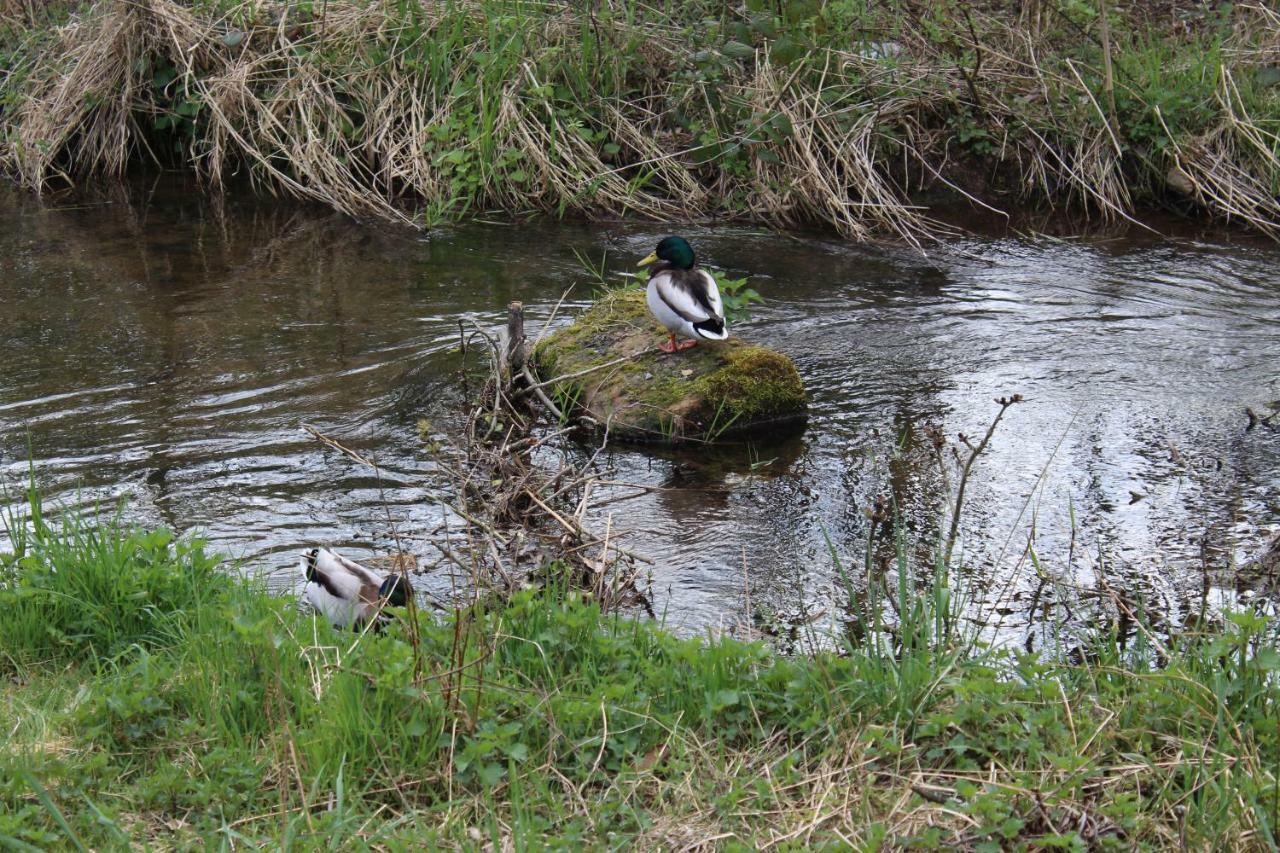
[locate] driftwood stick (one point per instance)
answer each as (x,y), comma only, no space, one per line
(580,533)
(542,395)
(553,380)
(516,354)
(536,388)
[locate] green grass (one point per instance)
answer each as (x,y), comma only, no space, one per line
(223,716)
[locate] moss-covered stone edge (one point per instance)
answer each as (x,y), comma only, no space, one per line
(714,391)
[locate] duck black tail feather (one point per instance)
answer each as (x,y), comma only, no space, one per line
(712,328)
(310,559)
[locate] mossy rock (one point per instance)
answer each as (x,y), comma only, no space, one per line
(716,390)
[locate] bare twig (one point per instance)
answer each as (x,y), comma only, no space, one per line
(967,467)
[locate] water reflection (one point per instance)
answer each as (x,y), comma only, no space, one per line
(166,350)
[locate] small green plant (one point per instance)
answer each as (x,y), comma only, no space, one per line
(668,425)
(736,296)
(628,280)
(598,273)
(568,397)
(177,108)
(759,463)
(596,270)
(721,421)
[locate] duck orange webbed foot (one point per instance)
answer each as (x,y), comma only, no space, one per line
(670,346)
(686,345)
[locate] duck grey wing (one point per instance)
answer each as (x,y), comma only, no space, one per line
(678,294)
(326,569)
(366,575)
(712,293)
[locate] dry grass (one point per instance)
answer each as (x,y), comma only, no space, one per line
(271,104)
(419,113)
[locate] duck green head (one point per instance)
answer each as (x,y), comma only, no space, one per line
(395,590)
(675,251)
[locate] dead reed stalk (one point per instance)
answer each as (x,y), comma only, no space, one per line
(419,113)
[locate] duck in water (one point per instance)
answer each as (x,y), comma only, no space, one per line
(348,594)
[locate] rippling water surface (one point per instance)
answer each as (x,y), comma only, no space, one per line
(165,351)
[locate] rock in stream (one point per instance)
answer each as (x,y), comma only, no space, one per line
(607,366)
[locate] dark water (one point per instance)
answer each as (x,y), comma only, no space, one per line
(163,350)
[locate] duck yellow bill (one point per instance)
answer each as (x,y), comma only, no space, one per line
(652,258)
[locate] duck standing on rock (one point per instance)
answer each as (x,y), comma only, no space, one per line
(683,296)
(347,593)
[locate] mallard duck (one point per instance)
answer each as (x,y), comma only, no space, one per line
(683,297)
(345,592)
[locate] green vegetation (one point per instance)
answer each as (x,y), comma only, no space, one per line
(736,297)
(835,112)
(193,708)
(607,365)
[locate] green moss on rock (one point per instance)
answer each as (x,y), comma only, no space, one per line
(615,373)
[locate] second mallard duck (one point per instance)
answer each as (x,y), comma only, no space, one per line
(348,594)
(683,296)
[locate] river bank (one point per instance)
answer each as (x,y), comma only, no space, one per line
(848,115)
(149,697)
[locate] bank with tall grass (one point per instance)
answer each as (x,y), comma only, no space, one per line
(848,114)
(149,697)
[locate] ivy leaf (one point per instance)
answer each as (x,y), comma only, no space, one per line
(1269,76)
(708,153)
(725,699)
(781,124)
(785,51)
(764,25)
(1268,659)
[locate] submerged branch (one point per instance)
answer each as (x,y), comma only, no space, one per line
(974,451)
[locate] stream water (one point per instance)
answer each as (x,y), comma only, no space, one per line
(160,350)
